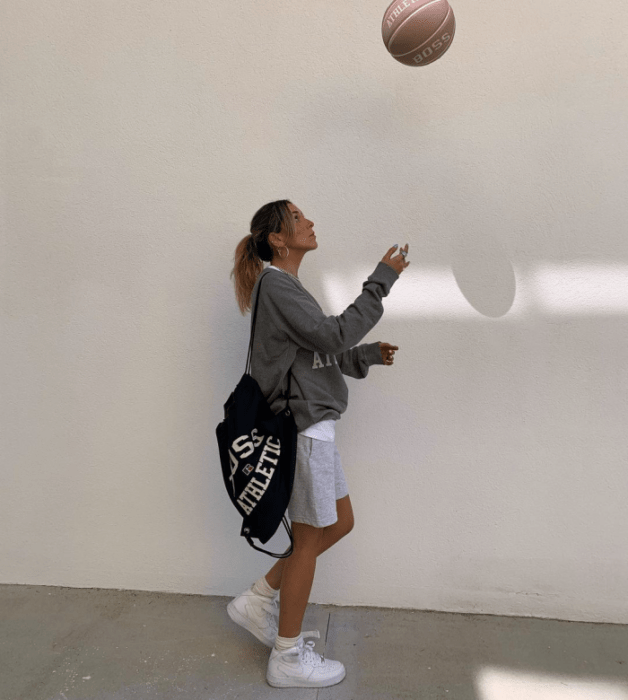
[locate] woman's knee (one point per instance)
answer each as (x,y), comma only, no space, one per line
(344,527)
(307,538)
(349,524)
(346,520)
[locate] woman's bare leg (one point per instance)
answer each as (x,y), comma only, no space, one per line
(331,535)
(295,574)
(297,578)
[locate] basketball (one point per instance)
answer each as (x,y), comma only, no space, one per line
(418,32)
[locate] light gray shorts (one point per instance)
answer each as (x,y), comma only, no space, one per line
(318,483)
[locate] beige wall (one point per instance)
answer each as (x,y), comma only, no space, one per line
(488,467)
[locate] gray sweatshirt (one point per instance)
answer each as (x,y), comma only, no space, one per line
(292,332)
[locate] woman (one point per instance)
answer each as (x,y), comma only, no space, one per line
(292,332)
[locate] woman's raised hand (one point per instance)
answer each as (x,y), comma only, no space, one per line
(398,262)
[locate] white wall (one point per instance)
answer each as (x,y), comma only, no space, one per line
(487,468)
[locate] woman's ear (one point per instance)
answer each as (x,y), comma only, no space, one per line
(276,240)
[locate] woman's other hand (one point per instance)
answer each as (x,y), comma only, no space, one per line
(388,352)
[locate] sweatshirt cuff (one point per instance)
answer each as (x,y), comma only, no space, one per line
(385,276)
(373,354)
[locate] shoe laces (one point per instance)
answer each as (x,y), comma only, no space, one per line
(306,650)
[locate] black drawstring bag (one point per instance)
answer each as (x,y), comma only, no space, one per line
(257,454)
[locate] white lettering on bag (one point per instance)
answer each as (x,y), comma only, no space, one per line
(252,494)
(255,489)
(234,467)
(248,509)
(257,439)
(276,449)
(243,443)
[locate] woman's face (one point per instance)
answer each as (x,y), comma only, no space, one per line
(304,236)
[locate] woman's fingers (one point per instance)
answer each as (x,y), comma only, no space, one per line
(398,263)
(388,352)
(391,251)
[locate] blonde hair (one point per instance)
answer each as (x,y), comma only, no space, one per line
(255,249)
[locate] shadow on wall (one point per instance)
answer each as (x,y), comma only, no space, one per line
(479,287)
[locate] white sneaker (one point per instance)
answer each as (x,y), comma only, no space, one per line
(302,667)
(256,614)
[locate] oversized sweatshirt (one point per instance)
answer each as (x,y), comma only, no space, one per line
(293,333)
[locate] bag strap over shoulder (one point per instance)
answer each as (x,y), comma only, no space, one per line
(250,352)
(248,358)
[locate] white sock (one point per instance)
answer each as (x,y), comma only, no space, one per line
(261,587)
(285,643)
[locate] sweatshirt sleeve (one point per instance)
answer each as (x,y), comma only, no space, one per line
(298,315)
(356,362)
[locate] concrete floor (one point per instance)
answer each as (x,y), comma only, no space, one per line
(94,644)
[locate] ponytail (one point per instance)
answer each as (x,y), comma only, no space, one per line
(255,249)
(247,268)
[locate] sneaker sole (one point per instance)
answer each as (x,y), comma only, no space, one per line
(239,619)
(304,683)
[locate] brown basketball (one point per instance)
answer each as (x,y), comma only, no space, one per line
(418,32)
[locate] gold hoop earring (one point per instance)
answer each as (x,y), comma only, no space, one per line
(287,253)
